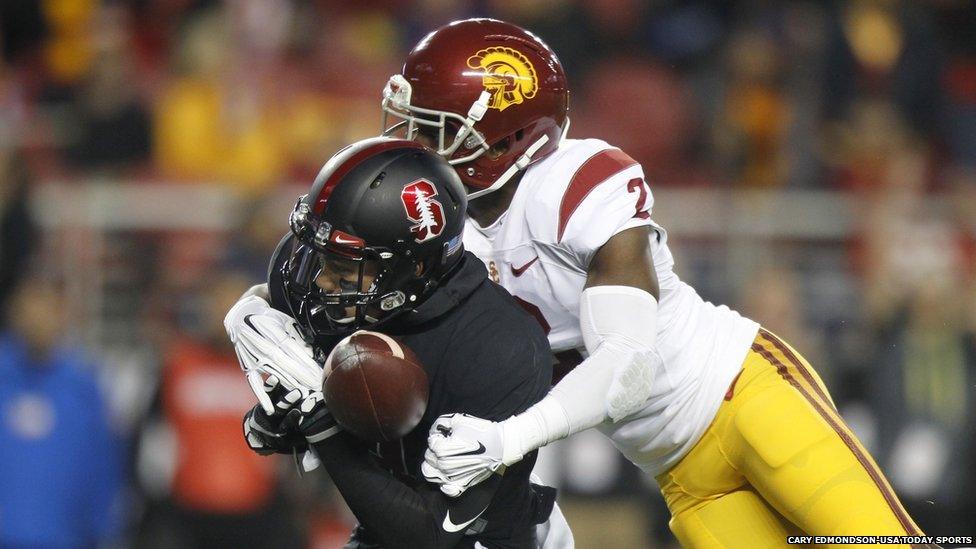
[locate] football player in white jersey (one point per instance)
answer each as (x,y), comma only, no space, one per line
(736,427)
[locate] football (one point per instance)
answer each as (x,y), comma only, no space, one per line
(376,388)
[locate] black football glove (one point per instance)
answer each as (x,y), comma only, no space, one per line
(276,433)
(313,419)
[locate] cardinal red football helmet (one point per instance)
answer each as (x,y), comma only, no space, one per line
(476,84)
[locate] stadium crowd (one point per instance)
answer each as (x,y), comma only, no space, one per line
(868,104)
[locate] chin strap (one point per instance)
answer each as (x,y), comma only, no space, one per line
(520,164)
(565,130)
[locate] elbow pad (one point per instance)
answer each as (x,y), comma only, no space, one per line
(619,325)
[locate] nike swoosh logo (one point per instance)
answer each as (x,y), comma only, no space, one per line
(343,241)
(247,320)
(449,526)
(517,271)
(479,450)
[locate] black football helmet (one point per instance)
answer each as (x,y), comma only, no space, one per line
(379,230)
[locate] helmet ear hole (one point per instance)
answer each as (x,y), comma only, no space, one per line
(499,148)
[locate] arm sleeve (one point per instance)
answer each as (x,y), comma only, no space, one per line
(618,325)
(397,514)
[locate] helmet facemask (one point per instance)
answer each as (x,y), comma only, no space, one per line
(336,288)
(450,131)
(452,134)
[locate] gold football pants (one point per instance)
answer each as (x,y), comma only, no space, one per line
(778,460)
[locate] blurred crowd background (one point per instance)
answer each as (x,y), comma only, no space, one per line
(814,162)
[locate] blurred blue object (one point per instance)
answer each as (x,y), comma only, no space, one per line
(60,468)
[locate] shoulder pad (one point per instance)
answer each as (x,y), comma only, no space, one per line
(597,169)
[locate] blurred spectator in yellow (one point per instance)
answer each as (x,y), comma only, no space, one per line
(258,93)
(61,463)
(219,493)
(69,48)
(756,115)
(885,49)
(212,122)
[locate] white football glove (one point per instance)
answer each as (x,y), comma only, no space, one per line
(463,451)
(269,342)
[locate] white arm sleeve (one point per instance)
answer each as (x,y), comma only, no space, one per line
(619,325)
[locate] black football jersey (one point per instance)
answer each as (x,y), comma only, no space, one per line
(484,356)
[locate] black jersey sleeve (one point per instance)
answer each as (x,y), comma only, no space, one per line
(397,511)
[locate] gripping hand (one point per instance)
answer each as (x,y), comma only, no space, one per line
(296,423)
(464,450)
(274,433)
(269,343)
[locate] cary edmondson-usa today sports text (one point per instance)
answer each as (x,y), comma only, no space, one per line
(878,540)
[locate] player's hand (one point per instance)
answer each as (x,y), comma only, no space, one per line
(312,418)
(269,342)
(273,433)
(463,451)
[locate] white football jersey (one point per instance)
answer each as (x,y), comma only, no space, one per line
(565,208)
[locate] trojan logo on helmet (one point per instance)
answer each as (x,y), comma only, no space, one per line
(508,76)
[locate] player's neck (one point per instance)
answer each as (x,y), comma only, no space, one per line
(487,209)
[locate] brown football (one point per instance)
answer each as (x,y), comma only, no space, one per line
(375,386)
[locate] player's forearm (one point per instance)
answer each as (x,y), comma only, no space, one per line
(260,290)
(578,402)
(619,325)
(393,512)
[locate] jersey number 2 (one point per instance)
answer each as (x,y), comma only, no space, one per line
(637,184)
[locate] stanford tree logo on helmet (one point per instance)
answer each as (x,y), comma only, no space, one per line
(423,209)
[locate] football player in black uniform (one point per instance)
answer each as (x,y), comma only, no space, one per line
(377,244)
